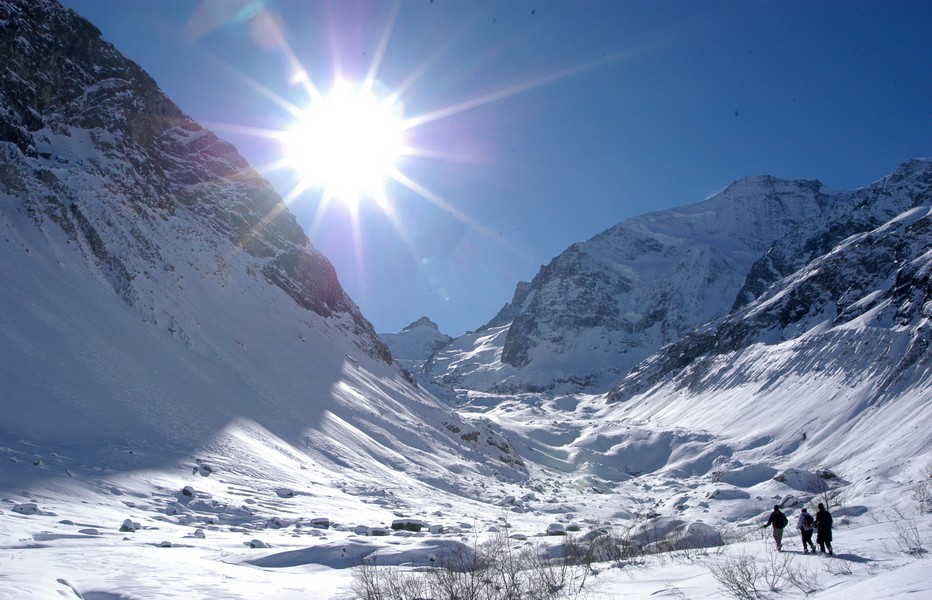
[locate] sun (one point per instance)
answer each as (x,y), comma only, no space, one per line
(347,142)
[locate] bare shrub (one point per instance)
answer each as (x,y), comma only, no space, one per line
(498,569)
(377,583)
(906,536)
(690,547)
(839,566)
(676,593)
(922,494)
(801,577)
(743,577)
(736,536)
(605,545)
(739,576)
(922,490)
(774,571)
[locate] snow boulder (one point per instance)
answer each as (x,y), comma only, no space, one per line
(701,535)
(27,508)
(407,524)
(798,479)
(672,535)
(655,530)
(727,494)
(745,476)
(275,523)
(174,508)
(129,525)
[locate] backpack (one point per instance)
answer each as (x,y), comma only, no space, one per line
(808,520)
(780,521)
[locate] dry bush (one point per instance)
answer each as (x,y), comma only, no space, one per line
(838,566)
(497,569)
(739,576)
(820,486)
(922,490)
(743,577)
(906,536)
(801,577)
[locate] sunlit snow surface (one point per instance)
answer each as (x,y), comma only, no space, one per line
(268,413)
(154,381)
(250,489)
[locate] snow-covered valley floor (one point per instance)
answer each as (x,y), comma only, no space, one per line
(251,516)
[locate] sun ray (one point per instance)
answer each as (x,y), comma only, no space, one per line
(500,94)
(382,47)
(319,215)
(333,144)
(357,238)
(300,74)
(416,74)
(442,204)
(263,90)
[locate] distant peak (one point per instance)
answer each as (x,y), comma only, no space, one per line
(913,167)
(422,322)
(768,181)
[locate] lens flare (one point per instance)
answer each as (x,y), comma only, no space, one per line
(347,142)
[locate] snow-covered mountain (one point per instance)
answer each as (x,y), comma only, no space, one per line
(188,396)
(157,291)
(860,305)
(604,305)
(417,341)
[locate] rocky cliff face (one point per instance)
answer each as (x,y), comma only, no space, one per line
(604,305)
(601,307)
(859,296)
(91,146)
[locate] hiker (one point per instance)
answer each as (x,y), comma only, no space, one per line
(804,525)
(823,527)
(779,521)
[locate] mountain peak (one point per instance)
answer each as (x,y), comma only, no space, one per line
(604,305)
(422,322)
(416,343)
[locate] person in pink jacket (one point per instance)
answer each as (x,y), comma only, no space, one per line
(804,525)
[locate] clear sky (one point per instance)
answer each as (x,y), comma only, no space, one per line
(532,125)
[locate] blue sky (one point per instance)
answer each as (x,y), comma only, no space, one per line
(558,119)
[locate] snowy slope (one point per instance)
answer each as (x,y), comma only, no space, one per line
(606,304)
(191,406)
(158,292)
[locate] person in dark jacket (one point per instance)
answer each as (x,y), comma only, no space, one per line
(823,527)
(778,520)
(804,525)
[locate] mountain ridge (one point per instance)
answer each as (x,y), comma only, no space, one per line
(117,109)
(584,321)
(167,289)
(191,398)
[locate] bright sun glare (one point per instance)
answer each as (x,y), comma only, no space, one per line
(347,143)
